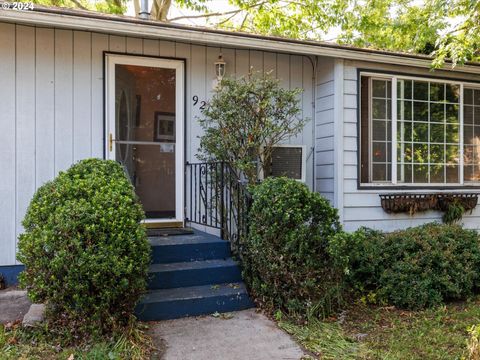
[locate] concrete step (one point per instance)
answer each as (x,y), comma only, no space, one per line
(193,273)
(175,303)
(182,248)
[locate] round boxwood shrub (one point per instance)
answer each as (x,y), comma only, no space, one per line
(85,251)
(415,268)
(286,261)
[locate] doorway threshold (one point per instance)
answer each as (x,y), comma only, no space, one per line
(169,231)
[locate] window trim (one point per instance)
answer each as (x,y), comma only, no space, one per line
(393,184)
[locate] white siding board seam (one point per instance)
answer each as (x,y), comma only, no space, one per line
(338,116)
(324,96)
(324,82)
(91,93)
(35,104)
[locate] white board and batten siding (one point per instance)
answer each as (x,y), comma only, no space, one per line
(51,86)
(362,207)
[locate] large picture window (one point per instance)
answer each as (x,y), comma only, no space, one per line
(416,131)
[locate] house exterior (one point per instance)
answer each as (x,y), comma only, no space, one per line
(77,84)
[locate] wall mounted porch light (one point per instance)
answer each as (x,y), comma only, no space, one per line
(220,66)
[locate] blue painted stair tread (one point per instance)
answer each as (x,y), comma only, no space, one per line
(196,247)
(198,237)
(191,275)
(192,301)
(171,275)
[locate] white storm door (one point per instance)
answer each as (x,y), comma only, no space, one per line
(145,130)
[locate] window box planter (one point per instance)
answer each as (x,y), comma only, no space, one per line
(412,203)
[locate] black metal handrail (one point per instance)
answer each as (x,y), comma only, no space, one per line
(217,198)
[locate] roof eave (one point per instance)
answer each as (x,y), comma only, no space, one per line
(157,30)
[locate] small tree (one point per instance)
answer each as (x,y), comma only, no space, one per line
(245,119)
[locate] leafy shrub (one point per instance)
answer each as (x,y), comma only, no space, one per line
(85,251)
(359,254)
(245,119)
(286,261)
(414,268)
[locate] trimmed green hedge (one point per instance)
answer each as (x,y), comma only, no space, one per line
(85,251)
(286,261)
(414,268)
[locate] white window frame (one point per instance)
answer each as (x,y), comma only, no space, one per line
(394,78)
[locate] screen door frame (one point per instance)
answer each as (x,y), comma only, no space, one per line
(112,59)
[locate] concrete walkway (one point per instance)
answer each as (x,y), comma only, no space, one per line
(243,335)
(13,305)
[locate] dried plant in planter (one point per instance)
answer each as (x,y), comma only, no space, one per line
(453,205)
(408,203)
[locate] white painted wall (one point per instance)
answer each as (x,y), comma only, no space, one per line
(51,86)
(362,207)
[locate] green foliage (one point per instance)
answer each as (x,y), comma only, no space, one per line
(461,42)
(286,262)
(383,332)
(453,213)
(443,28)
(245,119)
(414,268)
(85,251)
(399,25)
(42,343)
(359,254)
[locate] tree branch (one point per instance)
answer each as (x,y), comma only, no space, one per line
(79,5)
(205,15)
(234,12)
(226,20)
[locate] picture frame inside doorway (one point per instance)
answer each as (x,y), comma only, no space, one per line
(164,127)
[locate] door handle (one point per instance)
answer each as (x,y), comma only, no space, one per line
(110,142)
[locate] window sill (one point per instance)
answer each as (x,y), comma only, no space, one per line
(414,187)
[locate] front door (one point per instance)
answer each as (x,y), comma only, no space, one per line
(144,132)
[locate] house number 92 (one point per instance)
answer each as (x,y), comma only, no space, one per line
(196,101)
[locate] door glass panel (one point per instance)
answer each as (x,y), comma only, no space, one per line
(145,134)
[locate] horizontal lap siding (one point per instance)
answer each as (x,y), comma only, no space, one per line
(362,207)
(52,113)
(324,129)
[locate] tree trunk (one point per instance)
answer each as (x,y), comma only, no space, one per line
(136,7)
(160,9)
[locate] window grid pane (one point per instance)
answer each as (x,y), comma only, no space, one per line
(471,135)
(381,146)
(429,147)
(428,132)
